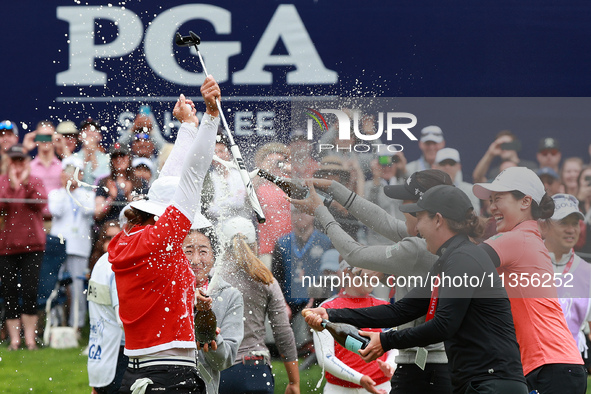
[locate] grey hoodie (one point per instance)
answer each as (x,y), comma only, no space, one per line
(228,307)
(407,257)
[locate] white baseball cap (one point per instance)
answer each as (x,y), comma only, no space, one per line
(513,178)
(447,154)
(159,196)
(329,261)
(200,222)
(432,133)
(564,205)
(238,225)
(72,161)
(143,161)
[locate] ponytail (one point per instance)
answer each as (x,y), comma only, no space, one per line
(473,226)
(543,210)
(248,261)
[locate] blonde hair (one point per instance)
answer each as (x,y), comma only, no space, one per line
(267,149)
(242,253)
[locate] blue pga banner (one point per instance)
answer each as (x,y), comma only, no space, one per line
(74,59)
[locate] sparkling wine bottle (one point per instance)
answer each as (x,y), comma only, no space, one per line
(346,335)
(292,188)
(205,326)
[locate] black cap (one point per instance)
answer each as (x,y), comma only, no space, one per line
(16,151)
(92,122)
(449,201)
(118,150)
(548,143)
(417,184)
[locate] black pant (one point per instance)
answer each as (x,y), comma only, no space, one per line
(497,386)
(410,379)
(252,379)
(166,379)
(23,269)
(558,379)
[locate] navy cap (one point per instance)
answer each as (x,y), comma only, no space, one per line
(449,201)
(417,184)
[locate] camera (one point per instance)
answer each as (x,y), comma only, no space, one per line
(513,145)
(43,138)
(388,160)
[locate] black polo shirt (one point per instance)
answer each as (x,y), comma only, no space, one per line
(473,317)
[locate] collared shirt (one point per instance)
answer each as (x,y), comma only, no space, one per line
(541,329)
(472,320)
(50,175)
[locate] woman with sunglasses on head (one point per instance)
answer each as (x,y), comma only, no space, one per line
(550,357)
(155,282)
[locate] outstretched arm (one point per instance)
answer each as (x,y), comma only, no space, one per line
(185,137)
(200,154)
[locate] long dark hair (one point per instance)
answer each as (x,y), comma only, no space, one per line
(97,249)
(128,171)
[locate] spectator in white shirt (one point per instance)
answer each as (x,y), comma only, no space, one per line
(72,208)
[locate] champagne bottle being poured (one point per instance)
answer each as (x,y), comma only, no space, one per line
(293,188)
(346,335)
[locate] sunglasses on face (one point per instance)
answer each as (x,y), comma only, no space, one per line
(142,136)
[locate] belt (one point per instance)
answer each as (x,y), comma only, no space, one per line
(142,362)
(253,360)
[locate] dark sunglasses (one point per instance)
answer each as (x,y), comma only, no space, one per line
(142,136)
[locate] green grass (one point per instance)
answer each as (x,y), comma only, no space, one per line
(64,371)
(43,371)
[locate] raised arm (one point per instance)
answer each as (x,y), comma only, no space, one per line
(370,214)
(199,156)
(407,257)
(494,150)
(185,137)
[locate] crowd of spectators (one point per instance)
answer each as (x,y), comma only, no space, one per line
(63,180)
